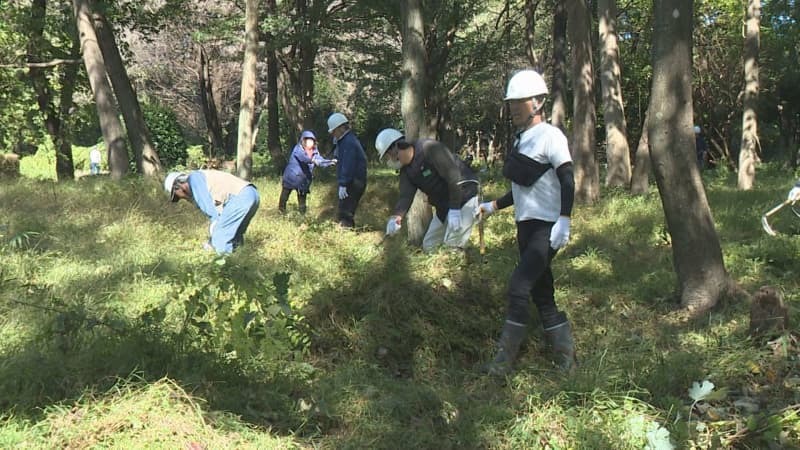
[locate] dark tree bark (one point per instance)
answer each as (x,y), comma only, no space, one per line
(748,153)
(65,169)
(110,124)
(413,105)
(206,89)
(244,152)
(147,162)
(696,250)
(273,124)
(530,27)
(558,87)
(617,150)
(587,175)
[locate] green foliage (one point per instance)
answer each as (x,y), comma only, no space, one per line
(166,134)
(42,164)
(243,322)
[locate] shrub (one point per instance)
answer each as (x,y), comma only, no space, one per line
(166,134)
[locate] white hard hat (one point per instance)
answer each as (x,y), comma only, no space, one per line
(385,139)
(169,183)
(525,84)
(335,120)
(696,129)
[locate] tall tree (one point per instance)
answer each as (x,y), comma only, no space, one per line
(273,124)
(244,153)
(617,150)
(748,154)
(587,175)
(147,162)
(209,106)
(696,250)
(110,125)
(412,103)
(558,86)
(530,8)
(44,93)
(640,180)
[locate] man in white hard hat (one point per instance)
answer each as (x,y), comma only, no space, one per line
(431,167)
(229,202)
(351,168)
(542,192)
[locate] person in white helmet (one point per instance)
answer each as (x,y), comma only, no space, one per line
(542,192)
(351,168)
(229,202)
(701,147)
(431,167)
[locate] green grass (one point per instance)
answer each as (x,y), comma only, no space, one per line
(374,344)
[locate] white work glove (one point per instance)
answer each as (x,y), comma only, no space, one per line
(794,194)
(342,192)
(393,225)
(559,234)
(485,209)
(454,220)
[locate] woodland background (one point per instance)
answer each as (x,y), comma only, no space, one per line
(118,331)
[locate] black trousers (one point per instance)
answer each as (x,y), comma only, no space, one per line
(301,199)
(532,278)
(347,206)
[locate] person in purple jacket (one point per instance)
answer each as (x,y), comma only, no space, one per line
(298,174)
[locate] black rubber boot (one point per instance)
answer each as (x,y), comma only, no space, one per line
(507,348)
(559,339)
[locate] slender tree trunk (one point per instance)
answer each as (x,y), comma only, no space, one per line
(696,250)
(530,27)
(413,105)
(44,95)
(748,154)
(147,162)
(273,124)
(206,90)
(558,86)
(617,150)
(65,167)
(587,175)
(244,153)
(110,125)
(640,181)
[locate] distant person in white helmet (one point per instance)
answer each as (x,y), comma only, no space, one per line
(701,147)
(542,192)
(228,201)
(351,168)
(431,167)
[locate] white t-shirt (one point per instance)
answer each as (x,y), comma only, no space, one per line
(545,144)
(94,156)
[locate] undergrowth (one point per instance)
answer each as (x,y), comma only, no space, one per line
(118,331)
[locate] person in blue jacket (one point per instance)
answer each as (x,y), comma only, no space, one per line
(351,171)
(298,173)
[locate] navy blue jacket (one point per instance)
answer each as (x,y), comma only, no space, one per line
(298,173)
(352,163)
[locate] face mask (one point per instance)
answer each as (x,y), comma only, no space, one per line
(394,164)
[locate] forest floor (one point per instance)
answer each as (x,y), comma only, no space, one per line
(118,331)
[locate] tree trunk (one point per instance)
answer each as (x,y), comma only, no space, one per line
(44,95)
(587,176)
(244,153)
(748,154)
(617,150)
(206,89)
(296,85)
(530,27)
(558,86)
(147,162)
(696,251)
(640,181)
(273,124)
(107,114)
(412,105)
(65,167)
